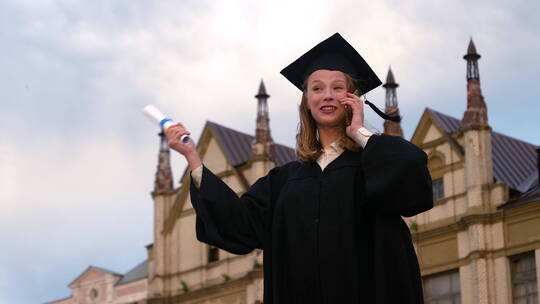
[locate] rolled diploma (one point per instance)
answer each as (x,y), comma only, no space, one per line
(155,115)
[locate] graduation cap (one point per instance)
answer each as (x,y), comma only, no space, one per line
(336,54)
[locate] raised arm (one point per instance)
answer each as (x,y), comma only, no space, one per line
(236,224)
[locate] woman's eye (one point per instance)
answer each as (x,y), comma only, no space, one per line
(339,88)
(316,89)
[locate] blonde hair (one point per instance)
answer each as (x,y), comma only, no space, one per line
(308,146)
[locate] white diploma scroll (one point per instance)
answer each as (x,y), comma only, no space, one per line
(156,116)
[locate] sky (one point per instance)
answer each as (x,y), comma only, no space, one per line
(77,157)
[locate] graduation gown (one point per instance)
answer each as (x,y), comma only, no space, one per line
(329,236)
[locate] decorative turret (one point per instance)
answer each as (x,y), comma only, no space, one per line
(391,109)
(480,188)
(476,113)
(476,131)
(262,143)
(163,196)
(164,179)
(262,147)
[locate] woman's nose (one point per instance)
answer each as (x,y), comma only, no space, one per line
(328,94)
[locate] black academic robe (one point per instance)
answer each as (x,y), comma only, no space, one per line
(332,236)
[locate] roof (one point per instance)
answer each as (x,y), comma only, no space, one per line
(237,146)
(514,160)
(106,270)
(533,195)
(137,273)
(96,268)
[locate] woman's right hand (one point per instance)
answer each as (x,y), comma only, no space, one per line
(174,134)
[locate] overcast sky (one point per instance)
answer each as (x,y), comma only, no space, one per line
(77,158)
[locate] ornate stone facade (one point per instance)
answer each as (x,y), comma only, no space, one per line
(482,221)
(476,242)
(101,286)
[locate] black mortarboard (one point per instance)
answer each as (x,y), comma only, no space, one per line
(335,53)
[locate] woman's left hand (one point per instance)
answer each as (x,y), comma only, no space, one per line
(357,107)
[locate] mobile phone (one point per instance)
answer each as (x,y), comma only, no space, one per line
(348,112)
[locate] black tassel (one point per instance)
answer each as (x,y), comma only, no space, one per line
(381,113)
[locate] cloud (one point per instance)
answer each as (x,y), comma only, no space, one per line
(67,206)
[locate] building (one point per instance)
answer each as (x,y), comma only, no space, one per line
(479,244)
(481,241)
(99,285)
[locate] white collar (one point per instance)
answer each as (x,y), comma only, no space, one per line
(333,148)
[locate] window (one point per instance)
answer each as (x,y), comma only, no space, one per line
(438,189)
(442,288)
(435,162)
(524,286)
(93,294)
(213,254)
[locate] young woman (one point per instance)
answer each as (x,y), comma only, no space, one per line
(330,223)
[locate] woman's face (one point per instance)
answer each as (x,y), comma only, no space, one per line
(325,89)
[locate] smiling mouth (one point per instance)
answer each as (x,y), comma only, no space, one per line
(328,108)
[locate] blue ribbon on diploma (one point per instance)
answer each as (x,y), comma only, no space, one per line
(163,121)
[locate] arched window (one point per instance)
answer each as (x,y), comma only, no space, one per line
(93,294)
(435,162)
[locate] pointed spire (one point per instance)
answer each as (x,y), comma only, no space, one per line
(476,113)
(262,91)
(392,109)
(164,179)
(390,86)
(471,50)
(262,105)
(390,77)
(262,143)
